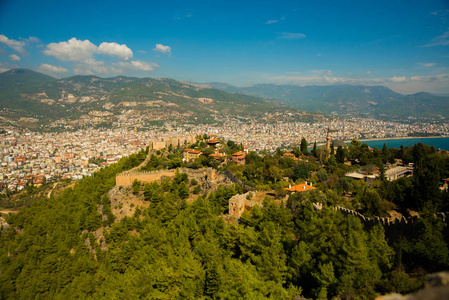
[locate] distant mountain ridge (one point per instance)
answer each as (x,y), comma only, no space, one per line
(38,99)
(345,100)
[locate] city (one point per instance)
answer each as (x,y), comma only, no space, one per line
(34,157)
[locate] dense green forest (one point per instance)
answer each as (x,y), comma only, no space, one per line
(72,247)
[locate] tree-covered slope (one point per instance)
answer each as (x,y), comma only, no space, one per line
(45,99)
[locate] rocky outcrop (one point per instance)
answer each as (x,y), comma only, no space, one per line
(436,288)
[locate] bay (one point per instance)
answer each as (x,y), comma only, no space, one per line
(437,142)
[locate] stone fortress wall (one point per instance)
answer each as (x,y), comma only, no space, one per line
(239,203)
(127,178)
(394,227)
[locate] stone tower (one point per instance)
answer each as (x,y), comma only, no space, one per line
(328,140)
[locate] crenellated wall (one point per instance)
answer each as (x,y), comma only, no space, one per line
(388,222)
(127,178)
(395,228)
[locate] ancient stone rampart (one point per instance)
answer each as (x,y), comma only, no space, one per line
(239,203)
(386,221)
(394,227)
(127,178)
(234,179)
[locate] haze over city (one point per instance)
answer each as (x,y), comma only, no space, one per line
(399,44)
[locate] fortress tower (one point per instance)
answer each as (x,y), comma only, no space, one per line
(328,140)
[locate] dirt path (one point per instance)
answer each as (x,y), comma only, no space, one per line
(54,186)
(8,212)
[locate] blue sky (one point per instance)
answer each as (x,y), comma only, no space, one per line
(400,44)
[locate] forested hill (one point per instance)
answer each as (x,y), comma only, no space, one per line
(352,100)
(28,96)
(72,246)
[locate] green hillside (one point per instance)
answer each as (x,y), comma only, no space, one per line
(34,100)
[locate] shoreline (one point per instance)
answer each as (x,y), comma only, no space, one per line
(400,138)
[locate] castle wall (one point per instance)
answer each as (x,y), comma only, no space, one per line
(127,178)
(394,228)
(238,204)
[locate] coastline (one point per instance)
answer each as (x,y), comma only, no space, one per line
(400,138)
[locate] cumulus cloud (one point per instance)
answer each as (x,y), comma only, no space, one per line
(138,65)
(18,46)
(14,57)
(162,49)
(291,36)
(73,50)
(33,39)
(82,51)
(46,68)
(399,79)
(117,50)
(441,40)
(84,54)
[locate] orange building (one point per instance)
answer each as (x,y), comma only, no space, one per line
(300,188)
(239,157)
(190,154)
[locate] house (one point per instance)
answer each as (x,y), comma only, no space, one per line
(397,172)
(288,155)
(218,155)
(190,154)
(300,188)
(239,157)
(213,142)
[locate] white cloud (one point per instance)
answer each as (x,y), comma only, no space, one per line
(138,65)
(13,44)
(46,68)
(291,36)
(14,57)
(162,49)
(402,84)
(427,65)
(272,21)
(73,50)
(85,53)
(3,70)
(441,40)
(114,49)
(329,73)
(368,72)
(143,66)
(399,79)
(33,39)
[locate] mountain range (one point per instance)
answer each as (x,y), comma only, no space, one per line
(34,100)
(31,99)
(349,100)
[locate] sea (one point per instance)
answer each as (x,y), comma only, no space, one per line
(437,142)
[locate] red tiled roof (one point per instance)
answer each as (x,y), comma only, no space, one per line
(300,188)
(194,151)
(238,154)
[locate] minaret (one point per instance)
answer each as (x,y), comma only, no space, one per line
(328,140)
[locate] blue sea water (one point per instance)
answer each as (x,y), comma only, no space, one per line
(438,143)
